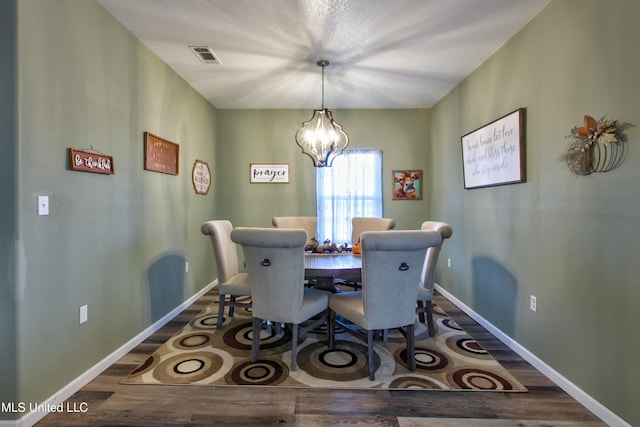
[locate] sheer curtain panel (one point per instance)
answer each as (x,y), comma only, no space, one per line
(352,187)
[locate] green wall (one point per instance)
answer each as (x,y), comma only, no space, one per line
(267,136)
(8,217)
(118,243)
(571,241)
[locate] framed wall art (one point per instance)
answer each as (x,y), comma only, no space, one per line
(407,184)
(201,177)
(495,153)
(160,155)
(269,173)
(90,161)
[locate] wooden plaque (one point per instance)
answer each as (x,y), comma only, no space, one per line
(160,155)
(201,177)
(89,161)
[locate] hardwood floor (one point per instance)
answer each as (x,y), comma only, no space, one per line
(108,402)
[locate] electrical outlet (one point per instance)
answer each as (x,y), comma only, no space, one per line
(449,262)
(84,313)
(533,303)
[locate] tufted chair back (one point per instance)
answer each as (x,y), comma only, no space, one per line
(309,223)
(362,224)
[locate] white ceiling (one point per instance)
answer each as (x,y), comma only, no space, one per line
(383,53)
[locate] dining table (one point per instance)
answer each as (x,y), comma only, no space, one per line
(325,267)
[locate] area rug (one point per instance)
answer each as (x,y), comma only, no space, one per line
(200,354)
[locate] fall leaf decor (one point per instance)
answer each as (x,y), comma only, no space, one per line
(597,146)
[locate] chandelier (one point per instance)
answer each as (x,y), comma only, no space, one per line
(322,138)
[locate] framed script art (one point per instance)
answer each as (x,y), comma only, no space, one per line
(495,153)
(269,173)
(407,185)
(90,161)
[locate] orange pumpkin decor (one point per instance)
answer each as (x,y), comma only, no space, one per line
(357,249)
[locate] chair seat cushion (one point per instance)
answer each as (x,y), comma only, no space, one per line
(314,301)
(237,284)
(350,306)
(424,294)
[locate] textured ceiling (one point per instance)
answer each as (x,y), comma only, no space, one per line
(383,53)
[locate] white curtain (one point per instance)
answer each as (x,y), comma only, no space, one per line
(352,187)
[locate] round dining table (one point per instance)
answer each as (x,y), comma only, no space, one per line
(325,267)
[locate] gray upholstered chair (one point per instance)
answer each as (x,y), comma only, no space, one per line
(427,281)
(231,282)
(309,223)
(362,224)
(358,226)
(275,263)
(392,263)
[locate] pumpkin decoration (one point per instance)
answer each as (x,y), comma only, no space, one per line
(597,146)
(357,248)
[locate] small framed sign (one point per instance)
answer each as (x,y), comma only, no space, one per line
(89,161)
(495,153)
(201,177)
(269,173)
(160,155)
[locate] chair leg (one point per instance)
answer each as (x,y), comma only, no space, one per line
(255,342)
(420,311)
(411,348)
(221,311)
(294,346)
(331,328)
(430,325)
(372,375)
(269,327)
(232,305)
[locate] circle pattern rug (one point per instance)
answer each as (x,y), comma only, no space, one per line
(200,354)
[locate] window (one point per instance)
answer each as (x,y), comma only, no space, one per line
(351,187)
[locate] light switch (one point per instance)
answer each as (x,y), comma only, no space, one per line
(43,205)
(84,313)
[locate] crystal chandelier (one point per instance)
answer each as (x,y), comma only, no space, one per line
(322,138)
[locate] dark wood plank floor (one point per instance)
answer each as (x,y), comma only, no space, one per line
(110,403)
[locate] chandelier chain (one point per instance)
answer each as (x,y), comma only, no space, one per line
(323,65)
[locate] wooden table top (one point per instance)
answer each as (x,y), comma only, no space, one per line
(331,265)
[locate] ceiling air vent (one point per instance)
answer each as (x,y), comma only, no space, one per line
(205,54)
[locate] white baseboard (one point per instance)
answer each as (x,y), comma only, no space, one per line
(574,391)
(70,389)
